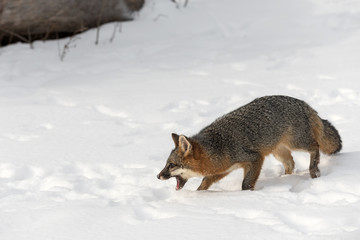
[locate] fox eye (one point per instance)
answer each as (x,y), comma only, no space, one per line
(171,165)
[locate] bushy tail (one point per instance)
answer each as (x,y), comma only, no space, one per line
(330,141)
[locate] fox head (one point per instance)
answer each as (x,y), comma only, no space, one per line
(181,163)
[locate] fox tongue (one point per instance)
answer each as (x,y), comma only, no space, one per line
(180,182)
(177,184)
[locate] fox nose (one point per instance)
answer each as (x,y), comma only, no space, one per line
(158,176)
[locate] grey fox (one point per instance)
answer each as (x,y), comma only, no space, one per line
(243,137)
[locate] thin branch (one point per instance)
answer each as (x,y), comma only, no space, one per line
(116,25)
(29,37)
(159,16)
(48,31)
(67,47)
(58,45)
(176,3)
(15,34)
(98,22)
(186,3)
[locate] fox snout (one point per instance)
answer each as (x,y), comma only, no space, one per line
(164,175)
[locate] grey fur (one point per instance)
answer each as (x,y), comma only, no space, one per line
(260,124)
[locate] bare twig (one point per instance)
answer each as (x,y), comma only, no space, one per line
(48,31)
(116,25)
(15,34)
(159,16)
(29,38)
(120,27)
(186,3)
(67,47)
(99,22)
(58,45)
(176,3)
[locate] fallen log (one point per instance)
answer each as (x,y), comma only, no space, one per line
(29,20)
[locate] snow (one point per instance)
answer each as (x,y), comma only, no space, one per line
(83,139)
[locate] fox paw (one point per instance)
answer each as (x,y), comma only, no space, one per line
(315,174)
(248,187)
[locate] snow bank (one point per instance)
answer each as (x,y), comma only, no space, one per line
(82,140)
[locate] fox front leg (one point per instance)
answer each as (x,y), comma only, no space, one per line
(209,180)
(251,174)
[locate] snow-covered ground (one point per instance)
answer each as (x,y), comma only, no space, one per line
(81,140)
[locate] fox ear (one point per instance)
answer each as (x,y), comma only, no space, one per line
(184,145)
(175,138)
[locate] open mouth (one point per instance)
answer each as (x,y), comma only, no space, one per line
(180,182)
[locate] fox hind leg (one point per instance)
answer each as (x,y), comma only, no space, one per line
(310,145)
(283,154)
(314,162)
